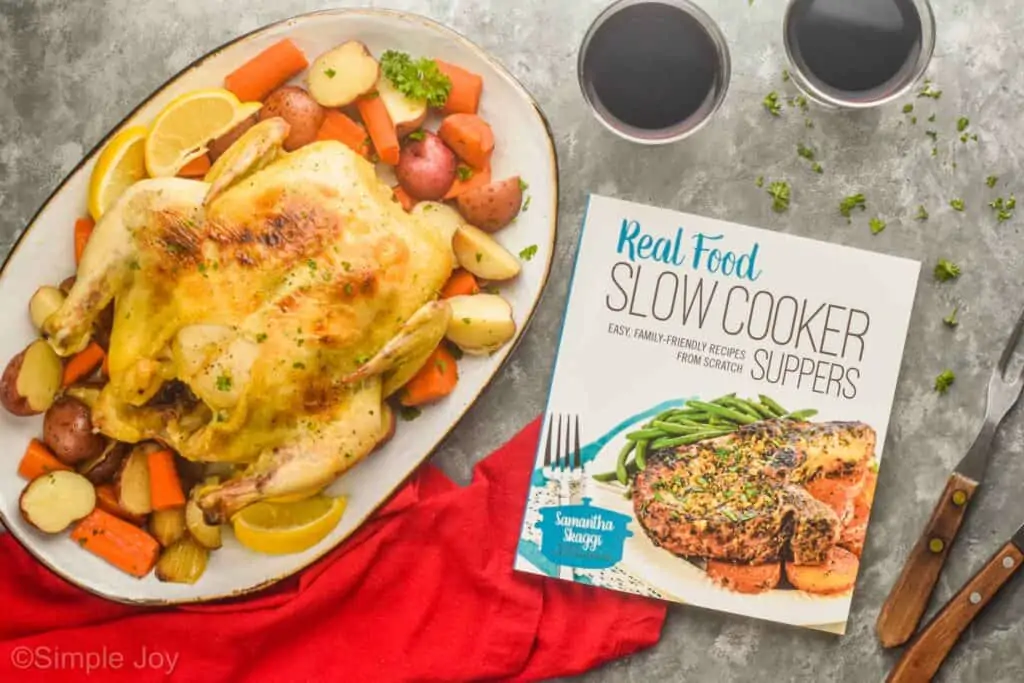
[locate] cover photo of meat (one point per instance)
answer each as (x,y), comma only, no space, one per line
(717,414)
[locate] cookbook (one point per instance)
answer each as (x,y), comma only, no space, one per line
(717,415)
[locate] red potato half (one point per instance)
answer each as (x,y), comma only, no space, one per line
(31,380)
(406,113)
(480,323)
(45,302)
(493,206)
(338,77)
(426,168)
(68,432)
(480,254)
(54,501)
(303,114)
(132,482)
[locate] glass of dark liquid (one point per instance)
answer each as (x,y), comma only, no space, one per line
(857,54)
(654,71)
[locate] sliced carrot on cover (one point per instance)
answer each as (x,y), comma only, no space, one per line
(461,282)
(83,363)
(470,137)
(105,365)
(338,126)
(467,86)
(262,74)
(38,460)
(435,380)
(83,231)
(106,499)
(474,179)
(403,198)
(164,483)
(382,129)
(196,168)
(120,543)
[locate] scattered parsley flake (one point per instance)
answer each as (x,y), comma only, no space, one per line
(464,172)
(992,180)
(785,72)
(922,213)
(490,289)
(760,181)
(261,337)
(913,120)
(935,151)
(850,203)
(299,365)
(877,225)
(801,102)
(780,193)
(479,257)
(816,167)
(962,123)
(946,270)
(526,204)
(409,413)
(528,253)
(223,383)
(951,320)
(957,204)
(523,185)
(417,135)
(771,103)
(965,137)
(330,73)
(808,123)
(931,119)
(467,321)
(934,135)
(805,151)
(907,108)
(928,91)
(944,381)
(419,79)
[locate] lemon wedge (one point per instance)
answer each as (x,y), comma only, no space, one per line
(285,528)
(121,164)
(182,130)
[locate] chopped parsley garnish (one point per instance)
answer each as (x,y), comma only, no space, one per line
(907,108)
(441,366)
(261,337)
(944,381)
(801,102)
(950,320)
(299,365)
(467,321)
(771,103)
(408,413)
(928,91)
(816,167)
(877,225)
(808,123)
(965,137)
(490,289)
(464,172)
(419,79)
(785,72)
(760,181)
(922,213)
(223,383)
(417,135)
(523,185)
(962,123)
(479,257)
(850,203)
(330,73)
(946,270)
(992,180)
(1004,207)
(931,119)
(934,135)
(805,151)
(348,289)
(913,120)
(780,193)
(528,253)
(526,204)
(957,204)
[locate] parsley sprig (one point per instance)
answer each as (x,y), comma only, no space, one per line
(418,79)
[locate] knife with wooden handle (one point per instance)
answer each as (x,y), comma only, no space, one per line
(909,596)
(923,657)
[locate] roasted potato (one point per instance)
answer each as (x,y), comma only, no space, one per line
(104,467)
(745,578)
(339,76)
(68,432)
(837,574)
(207,535)
(480,323)
(52,502)
(168,526)
(31,380)
(221,144)
(426,168)
(493,206)
(183,562)
(477,252)
(132,483)
(299,109)
(406,113)
(45,302)
(86,392)
(442,218)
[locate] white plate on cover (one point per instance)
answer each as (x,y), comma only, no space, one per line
(682,581)
(44,255)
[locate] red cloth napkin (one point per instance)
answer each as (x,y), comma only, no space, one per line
(425,591)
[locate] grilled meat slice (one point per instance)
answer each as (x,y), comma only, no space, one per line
(741,497)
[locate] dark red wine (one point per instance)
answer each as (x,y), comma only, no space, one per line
(854,46)
(652,66)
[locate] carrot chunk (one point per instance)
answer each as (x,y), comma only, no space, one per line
(38,460)
(196,168)
(262,74)
(106,499)
(382,129)
(337,126)
(470,137)
(475,178)
(120,543)
(403,198)
(83,231)
(461,282)
(83,364)
(164,484)
(435,380)
(467,87)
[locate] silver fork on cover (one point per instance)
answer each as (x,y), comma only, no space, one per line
(563,463)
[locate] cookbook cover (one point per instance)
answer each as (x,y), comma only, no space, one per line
(717,414)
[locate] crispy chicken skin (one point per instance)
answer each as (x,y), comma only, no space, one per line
(291,295)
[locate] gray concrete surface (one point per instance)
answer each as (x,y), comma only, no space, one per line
(69,70)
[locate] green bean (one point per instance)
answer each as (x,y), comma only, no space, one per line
(687,422)
(679,430)
(719,401)
(641,455)
(801,414)
(773,406)
(741,406)
(606,476)
(723,412)
(644,434)
(620,465)
(689,439)
(760,409)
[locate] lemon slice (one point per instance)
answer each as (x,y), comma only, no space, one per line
(183,128)
(121,164)
(284,528)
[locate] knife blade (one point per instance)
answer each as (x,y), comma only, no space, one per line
(925,655)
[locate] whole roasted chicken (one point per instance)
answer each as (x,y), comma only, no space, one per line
(290,295)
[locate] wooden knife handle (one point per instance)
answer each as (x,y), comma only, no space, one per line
(925,655)
(908,599)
